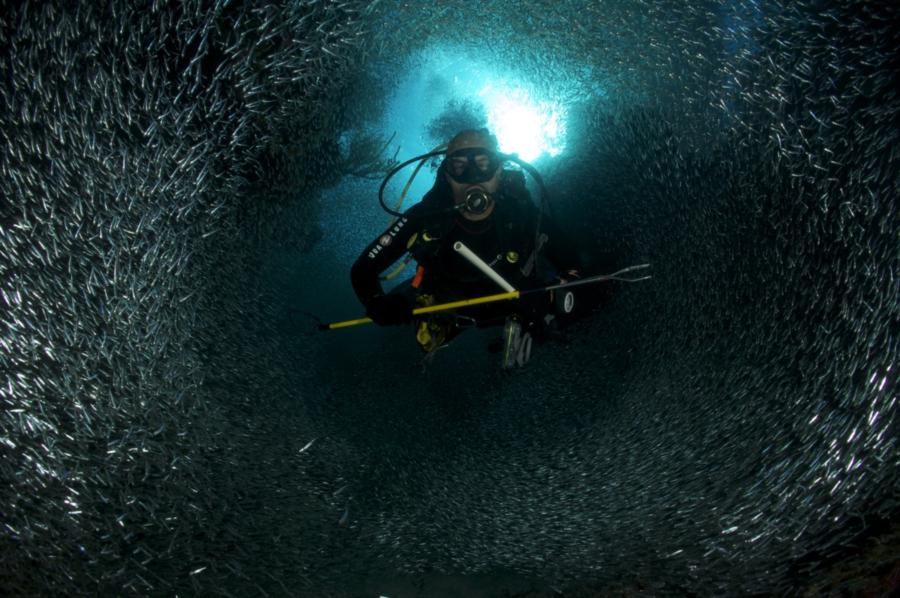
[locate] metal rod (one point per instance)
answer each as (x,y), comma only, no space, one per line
(500,296)
(460,248)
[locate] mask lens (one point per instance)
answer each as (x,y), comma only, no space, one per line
(457,166)
(474,165)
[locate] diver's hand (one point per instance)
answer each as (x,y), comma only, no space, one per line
(389,310)
(569,276)
(533,305)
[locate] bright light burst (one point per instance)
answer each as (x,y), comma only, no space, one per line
(523,125)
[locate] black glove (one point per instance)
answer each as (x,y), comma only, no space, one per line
(389,310)
(533,305)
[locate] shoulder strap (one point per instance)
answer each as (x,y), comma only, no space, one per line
(513,184)
(522,214)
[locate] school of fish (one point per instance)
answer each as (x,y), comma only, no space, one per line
(730,428)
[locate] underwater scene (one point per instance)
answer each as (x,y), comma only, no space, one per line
(686,387)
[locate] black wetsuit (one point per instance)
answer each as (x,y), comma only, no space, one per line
(505,240)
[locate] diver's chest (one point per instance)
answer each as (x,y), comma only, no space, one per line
(496,247)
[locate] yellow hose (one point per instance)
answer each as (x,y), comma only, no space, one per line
(402,266)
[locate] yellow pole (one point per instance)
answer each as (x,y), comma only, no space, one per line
(502,296)
(430,309)
(345,324)
(467,302)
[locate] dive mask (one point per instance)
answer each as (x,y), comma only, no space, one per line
(472,165)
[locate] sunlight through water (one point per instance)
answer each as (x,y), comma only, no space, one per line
(526,121)
(522,124)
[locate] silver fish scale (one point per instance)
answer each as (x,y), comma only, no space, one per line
(165,427)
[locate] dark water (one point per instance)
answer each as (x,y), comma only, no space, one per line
(173,206)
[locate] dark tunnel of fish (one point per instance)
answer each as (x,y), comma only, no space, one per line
(730,428)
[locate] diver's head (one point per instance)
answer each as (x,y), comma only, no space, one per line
(472,167)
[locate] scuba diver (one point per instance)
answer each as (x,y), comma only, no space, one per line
(475,207)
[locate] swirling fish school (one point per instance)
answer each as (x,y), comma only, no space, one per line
(727,429)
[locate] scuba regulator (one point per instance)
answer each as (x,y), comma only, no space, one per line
(477,201)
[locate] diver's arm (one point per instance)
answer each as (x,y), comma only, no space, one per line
(386,249)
